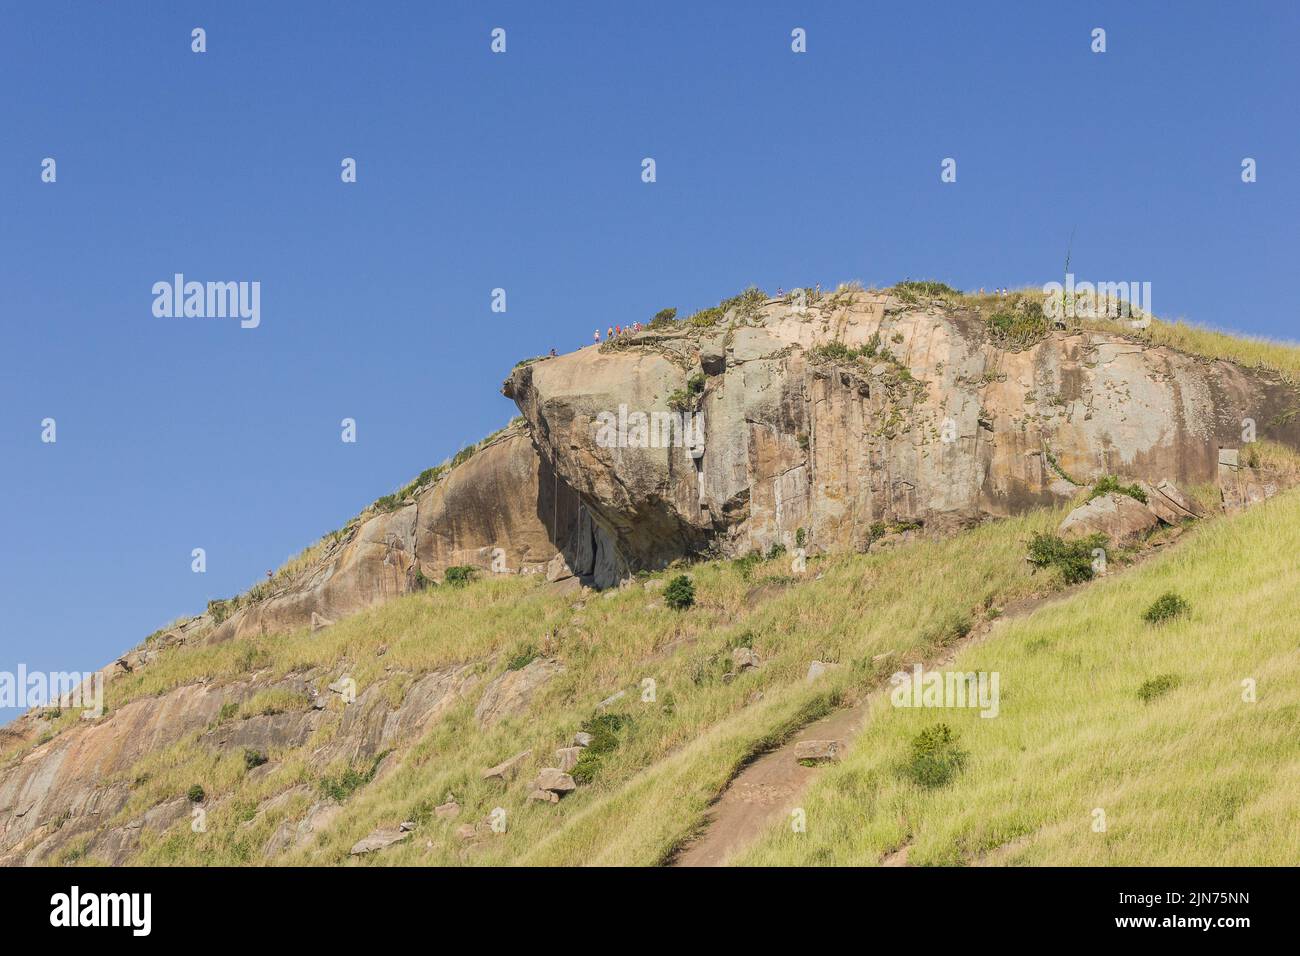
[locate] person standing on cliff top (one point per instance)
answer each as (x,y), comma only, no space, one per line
(595,336)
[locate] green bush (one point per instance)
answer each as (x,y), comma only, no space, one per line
(1019,330)
(1168,605)
(680,593)
(663,319)
(800,536)
(459,575)
(345,784)
(935,757)
(1109,485)
(604,730)
(253,758)
(522,657)
(219,610)
(926,288)
(196,794)
(775,551)
(1073,559)
(1156,686)
(746,564)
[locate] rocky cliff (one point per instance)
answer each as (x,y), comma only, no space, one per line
(822,423)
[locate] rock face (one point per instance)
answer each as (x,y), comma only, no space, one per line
(511,692)
(500,511)
(945,429)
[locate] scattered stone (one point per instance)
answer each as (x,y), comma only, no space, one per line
(507,768)
(467,832)
(817,750)
(744,658)
(406,826)
(555,780)
(816,669)
(378,840)
(612,699)
(447,811)
(543,796)
(558,569)
(582,739)
(567,757)
(319,621)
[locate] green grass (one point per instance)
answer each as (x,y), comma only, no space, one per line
(1100,711)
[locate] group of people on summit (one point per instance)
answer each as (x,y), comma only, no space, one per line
(614,331)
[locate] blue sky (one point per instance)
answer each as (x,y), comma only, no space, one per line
(522,171)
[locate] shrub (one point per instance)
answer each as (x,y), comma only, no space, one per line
(227,711)
(196,794)
(926,288)
(459,575)
(219,610)
(1019,330)
(342,786)
(604,730)
(253,758)
(1156,686)
(1073,559)
(746,564)
(680,593)
(935,757)
(1109,485)
(664,318)
(522,657)
(800,536)
(775,551)
(1168,605)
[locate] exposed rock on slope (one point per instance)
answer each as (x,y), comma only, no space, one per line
(501,511)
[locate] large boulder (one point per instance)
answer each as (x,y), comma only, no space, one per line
(1169,504)
(1120,518)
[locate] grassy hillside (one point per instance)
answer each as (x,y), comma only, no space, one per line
(866,613)
(1192,774)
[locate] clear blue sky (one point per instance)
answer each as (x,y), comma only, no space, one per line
(522,171)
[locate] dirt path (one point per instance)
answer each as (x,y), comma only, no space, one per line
(766,789)
(769,787)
